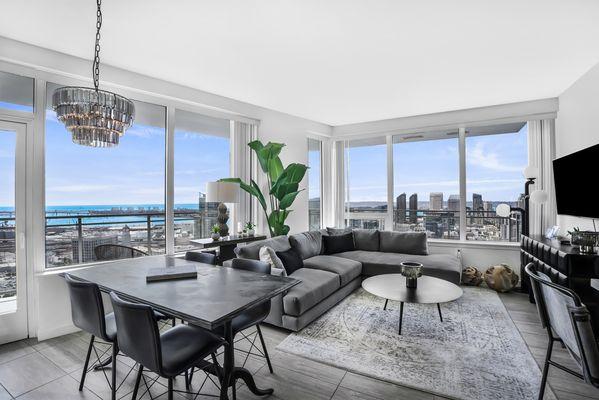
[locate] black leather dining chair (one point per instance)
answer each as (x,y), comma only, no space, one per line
(255,315)
(168,354)
(87,311)
(568,321)
(202,257)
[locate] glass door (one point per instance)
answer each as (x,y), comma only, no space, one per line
(13,290)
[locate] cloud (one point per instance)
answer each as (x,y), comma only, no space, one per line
(479,156)
(81,188)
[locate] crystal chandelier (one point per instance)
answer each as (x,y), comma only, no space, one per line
(95,118)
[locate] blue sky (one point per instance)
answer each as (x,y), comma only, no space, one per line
(494,166)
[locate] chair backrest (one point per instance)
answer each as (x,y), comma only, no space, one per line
(251,265)
(198,256)
(261,311)
(87,309)
(138,334)
(561,310)
(106,252)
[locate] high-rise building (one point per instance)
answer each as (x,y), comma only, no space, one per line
(521,200)
(453,203)
(414,208)
(206,218)
(477,202)
(401,209)
(436,201)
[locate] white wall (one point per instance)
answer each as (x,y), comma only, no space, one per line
(577,127)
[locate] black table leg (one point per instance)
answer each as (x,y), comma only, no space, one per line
(439,309)
(230,373)
(227,252)
(386,301)
(400,316)
(229,362)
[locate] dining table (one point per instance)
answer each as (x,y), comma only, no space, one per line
(211,300)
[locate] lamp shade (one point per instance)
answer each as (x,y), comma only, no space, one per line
(539,196)
(503,210)
(222,192)
(531,172)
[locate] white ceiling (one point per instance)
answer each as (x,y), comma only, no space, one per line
(333,61)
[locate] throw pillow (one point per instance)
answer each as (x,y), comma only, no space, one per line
(366,239)
(291,260)
(404,242)
(268,255)
(338,231)
(338,243)
(307,244)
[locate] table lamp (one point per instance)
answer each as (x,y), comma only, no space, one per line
(222,192)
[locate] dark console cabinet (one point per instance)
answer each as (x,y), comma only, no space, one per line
(564,265)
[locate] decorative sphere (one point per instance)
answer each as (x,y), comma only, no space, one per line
(501,278)
(531,172)
(471,276)
(539,196)
(503,210)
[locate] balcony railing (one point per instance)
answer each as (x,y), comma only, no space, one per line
(71,236)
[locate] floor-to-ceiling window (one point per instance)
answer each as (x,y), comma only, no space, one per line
(366,183)
(495,159)
(314,183)
(202,155)
(105,196)
(426,187)
(16,92)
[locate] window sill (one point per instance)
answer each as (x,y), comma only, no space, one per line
(474,244)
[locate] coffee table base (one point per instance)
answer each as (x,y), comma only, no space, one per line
(401,313)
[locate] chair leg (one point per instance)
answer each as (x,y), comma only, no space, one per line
(115,352)
(264,348)
(546,369)
(137,381)
(170,389)
(174,322)
(86,364)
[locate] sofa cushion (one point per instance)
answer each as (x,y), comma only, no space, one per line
(268,255)
(443,266)
(403,242)
(307,244)
(291,260)
(338,243)
(252,250)
(346,268)
(316,285)
(338,231)
(366,239)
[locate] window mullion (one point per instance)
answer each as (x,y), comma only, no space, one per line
(462,152)
(169,184)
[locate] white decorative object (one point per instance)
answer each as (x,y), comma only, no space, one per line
(503,210)
(531,172)
(268,255)
(539,196)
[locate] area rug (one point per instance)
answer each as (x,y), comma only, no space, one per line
(475,353)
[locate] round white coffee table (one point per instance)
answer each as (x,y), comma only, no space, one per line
(429,291)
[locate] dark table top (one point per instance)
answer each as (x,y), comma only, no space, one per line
(429,290)
(217,295)
(225,241)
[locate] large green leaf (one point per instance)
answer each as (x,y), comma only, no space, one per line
(275,168)
(284,189)
(276,220)
(296,172)
(288,199)
(266,152)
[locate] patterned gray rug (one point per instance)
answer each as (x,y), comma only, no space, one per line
(476,353)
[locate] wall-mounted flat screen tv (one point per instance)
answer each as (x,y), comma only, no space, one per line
(576,186)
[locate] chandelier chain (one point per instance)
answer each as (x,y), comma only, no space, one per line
(96,65)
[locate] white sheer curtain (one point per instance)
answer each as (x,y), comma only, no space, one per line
(338,177)
(541,153)
(243,165)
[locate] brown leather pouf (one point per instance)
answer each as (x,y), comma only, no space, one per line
(471,276)
(501,278)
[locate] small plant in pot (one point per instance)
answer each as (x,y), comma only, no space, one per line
(250,228)
(215,232)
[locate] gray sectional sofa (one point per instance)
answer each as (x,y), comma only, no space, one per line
(328,278)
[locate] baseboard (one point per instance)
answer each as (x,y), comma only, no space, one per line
(45,334)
